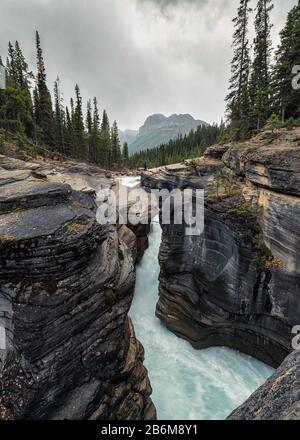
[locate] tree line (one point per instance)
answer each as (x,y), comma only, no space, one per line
(184,147)
(261,84)
(28,110)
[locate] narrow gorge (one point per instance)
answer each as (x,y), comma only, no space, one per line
(74,294)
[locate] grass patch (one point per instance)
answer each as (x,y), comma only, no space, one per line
(75,228)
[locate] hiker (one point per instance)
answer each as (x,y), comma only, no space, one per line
(145,166)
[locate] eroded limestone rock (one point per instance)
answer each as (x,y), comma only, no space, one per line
(68,349)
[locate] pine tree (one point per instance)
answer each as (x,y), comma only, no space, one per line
(11,67)
(125,154)
(79,126)
(115,145)
(59,118)
(237,99)
(105,142)
(96,117)
(89,118)
(23,75)
(89,128)
(286,100)
(72,111)
(95,141)
(69,135)
(43,110)
(260,83)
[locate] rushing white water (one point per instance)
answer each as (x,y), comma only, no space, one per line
(187,384)
(131,181)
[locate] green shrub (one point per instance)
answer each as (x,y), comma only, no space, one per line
(265,258)
(110,297)
(274,123)
(2,144)
(31,151)
(245,210)
(291,123)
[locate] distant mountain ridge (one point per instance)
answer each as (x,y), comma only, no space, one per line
(159,129)
(128,136)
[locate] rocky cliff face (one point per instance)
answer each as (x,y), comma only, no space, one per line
(67,347)
(278,398)
(237,284)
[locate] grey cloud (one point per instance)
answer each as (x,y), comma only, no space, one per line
(164,3)
(136,60)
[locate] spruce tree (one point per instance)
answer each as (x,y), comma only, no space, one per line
(72,111)
(79,126)
(125,154)
(260,83)
(115,145)
(89,118)
(95,141)
(237,99)
(11,67)
(59,118)
(44,112)
(96,117)
(105,142)
(69,135)
(89,129)
(23,75)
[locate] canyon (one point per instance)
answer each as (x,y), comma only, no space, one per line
(68,347)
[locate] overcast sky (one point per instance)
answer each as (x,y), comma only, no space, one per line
(138,57)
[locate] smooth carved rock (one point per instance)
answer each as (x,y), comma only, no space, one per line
(31,193)
(212,293)
(66,285)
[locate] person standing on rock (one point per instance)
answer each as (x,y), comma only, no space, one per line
(145,165)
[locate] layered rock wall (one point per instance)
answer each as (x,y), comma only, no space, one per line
(68,349)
